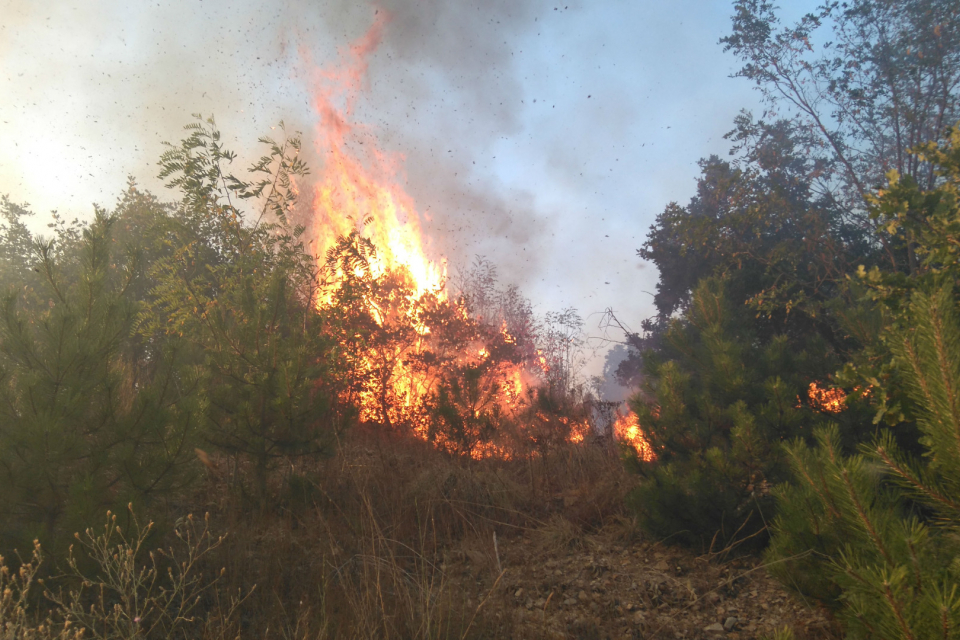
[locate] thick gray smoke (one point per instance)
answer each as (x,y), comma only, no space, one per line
(444,87)
(544,136)
(98,87)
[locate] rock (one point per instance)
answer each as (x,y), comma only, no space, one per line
(569,602)
(730,623)
(716,627)
(582,595)
(518,592)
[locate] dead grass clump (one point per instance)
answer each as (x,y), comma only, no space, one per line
(461,499)
(559,535)
(388,538)
(364,556)
(114,587)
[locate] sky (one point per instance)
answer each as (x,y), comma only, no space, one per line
(544,136)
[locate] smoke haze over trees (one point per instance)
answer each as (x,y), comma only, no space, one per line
(268,347)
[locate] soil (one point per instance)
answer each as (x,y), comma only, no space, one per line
(597,587)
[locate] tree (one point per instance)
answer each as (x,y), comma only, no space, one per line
(757,223)
(887,81)
(715,404)
(244,297)
(85,423)
(873,536)
(787,222)
(17,258)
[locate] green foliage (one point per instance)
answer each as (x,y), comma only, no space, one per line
(86,421)
(930,218)
(17,258)
(760,223)
(244,298)
(874,536)
(715,406)
(785,228)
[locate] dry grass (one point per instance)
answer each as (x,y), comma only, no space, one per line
(362,545)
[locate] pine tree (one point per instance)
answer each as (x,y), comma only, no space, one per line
(874,535)
(715,405)
(85,424)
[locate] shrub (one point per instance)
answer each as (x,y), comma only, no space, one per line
(873,536)
(112,591)
(717,402)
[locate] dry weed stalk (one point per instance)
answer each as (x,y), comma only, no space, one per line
(16,621)
(121,597)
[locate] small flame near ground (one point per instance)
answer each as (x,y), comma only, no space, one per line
(626,429)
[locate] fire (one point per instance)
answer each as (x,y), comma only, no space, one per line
(826,399)
(362,192)
(426,362)
(627,429)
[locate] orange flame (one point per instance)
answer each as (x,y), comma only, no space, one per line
(826,399)
(627,429)
(360,190)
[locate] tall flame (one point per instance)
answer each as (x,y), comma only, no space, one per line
(360,190)
(360,182)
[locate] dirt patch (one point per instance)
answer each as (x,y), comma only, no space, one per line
(600,588)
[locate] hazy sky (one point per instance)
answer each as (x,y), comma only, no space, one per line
(544,135)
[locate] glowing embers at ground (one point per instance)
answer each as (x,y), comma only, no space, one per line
(626,429)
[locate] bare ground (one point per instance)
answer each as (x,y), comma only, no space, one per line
(599,586)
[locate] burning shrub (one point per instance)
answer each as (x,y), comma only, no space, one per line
(423,364)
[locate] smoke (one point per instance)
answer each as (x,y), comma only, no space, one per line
(544,136)
(92,89)
(444,88)
(95,88)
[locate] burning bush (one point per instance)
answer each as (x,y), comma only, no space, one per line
(427,365)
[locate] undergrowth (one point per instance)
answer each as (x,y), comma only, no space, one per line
(365,544)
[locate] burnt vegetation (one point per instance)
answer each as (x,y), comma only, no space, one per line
(376,458)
